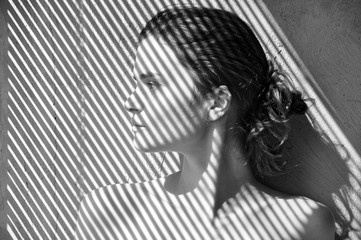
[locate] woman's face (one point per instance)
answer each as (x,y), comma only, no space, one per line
(162,116)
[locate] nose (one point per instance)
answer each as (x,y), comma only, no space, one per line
(133,103)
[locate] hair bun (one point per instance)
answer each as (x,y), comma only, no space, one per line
(298,105)
(277,103)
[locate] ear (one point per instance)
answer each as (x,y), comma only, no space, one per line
(220,103)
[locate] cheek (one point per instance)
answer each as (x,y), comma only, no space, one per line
(174,102)
(179,115)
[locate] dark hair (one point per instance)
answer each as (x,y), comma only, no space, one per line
(222,50)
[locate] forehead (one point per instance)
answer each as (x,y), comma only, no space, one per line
(155,56)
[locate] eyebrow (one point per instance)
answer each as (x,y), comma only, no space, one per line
(147,75)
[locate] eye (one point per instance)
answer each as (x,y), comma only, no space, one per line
(152,85)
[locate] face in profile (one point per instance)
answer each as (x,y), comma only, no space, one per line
(163,116)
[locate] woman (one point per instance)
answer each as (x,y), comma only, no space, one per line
(206,90)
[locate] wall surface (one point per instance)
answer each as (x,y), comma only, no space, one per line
(64,74)
(4,88)
(326,35)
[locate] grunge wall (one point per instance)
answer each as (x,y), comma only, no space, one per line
(64,74)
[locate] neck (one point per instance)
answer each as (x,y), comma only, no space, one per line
(233,172)
(216,169)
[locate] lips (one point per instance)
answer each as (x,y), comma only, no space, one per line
(136,124)
(137,127)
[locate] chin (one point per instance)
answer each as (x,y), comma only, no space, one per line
(143,144)
(146,150)
(149,148)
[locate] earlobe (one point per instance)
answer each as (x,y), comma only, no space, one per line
(221,101)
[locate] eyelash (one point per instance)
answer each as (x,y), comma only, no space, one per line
(152,84)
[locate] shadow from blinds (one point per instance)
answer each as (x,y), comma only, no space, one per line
(69,133)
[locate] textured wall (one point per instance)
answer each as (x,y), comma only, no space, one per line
(61,106)
(3,121)
(326,35)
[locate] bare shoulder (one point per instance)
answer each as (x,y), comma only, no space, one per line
(320,222)
(93,208)
(311,219)
(120,191)
(104,209)
(306,218)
